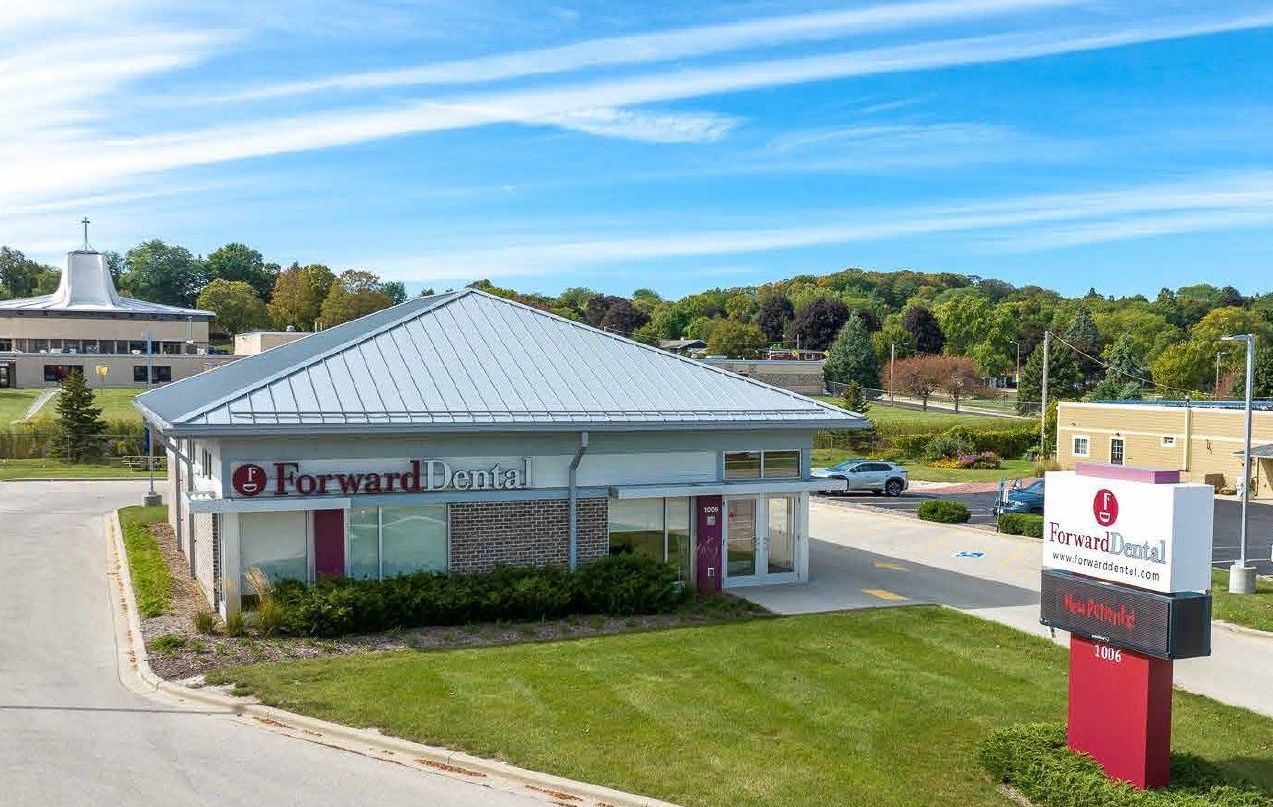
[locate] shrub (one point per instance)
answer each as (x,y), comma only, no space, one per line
(621,584)
(944,512)
(1027,524)
(628,584)
(168,643)
(1034,759)
(1005,443)
(205,621)
(269,611)
(946,446)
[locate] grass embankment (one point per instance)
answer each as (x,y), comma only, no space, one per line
(14,403)
(1012,469)
(117,404)
(1250,610)
(56,469)
(874,708)
(152,582)
(900,420)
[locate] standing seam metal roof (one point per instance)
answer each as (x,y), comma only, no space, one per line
(469,359)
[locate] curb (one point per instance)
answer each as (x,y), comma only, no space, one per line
(1242,629)
(76,479)
(136,674)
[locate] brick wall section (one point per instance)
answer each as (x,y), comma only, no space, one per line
(532,533)
(205,569)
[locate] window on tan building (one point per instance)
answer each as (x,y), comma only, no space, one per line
(1081,446)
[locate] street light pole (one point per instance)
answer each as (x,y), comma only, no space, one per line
(1241,575)
(152,499)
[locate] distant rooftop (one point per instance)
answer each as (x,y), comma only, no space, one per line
(87,288)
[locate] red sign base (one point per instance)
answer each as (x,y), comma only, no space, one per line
(1120,711)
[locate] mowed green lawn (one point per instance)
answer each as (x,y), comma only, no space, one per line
(14,403)
(899,420)
(883,707)
(1252,610)
(117,404)
(56,469)
(1012,469)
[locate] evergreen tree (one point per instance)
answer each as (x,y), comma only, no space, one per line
(1083,335)
(851,357)
(855,398)
(1063,379)
(1122,374)
(79,418)
(1262,389)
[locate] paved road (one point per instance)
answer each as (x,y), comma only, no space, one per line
(1228,521)
(71,734)
(859,558)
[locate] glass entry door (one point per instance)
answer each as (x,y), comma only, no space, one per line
(761,536)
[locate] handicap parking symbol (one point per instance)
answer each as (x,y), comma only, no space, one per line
(967,553)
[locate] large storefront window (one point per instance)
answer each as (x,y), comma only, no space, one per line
(766,464)
(276,543)
(657,528)
(742,465)
(392,541)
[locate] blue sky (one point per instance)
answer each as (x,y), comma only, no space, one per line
(677,146)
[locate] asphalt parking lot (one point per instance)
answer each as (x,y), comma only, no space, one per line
(1224,549)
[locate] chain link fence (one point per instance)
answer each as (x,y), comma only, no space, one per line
(987,401)
(128,450)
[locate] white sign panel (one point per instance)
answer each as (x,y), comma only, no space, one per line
(1152,536)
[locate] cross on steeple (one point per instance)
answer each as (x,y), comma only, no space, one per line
(85,222)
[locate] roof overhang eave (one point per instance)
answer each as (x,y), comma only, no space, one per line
(309,429)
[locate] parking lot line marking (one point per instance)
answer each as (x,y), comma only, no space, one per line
(884,564)
(883,594)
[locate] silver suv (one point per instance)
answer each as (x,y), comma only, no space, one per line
(877,476)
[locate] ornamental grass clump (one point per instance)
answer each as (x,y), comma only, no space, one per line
(1034,759)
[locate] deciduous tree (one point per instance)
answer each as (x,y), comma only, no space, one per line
(356,293)
(236,305)
(298,296)
(924,329)
(163,273)
(737,340)
(241,262)
(817,322)
(775,314)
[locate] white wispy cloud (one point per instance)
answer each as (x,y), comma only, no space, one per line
(657,47)
(1022,224)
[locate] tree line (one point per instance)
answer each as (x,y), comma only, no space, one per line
(1104,346)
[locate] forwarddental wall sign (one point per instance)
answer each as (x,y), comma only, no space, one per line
(356,477)
(1126,562)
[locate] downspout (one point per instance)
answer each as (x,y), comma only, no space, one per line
(1188,434)
(574,500)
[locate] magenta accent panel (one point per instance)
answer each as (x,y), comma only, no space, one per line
(329,543)
(1127,473)
(709,513)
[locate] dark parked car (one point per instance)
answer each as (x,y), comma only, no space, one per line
(876,476)
(1028,499)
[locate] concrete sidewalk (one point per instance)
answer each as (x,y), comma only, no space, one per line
(858,552)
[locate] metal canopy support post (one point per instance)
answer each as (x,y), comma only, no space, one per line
(574,500)
(152,498)
(1242,575)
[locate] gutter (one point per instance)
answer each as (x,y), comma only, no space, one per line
(574,500)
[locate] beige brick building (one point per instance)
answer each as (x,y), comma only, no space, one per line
(1198,438)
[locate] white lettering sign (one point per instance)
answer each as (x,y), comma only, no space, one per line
(272,478)
(1152,536)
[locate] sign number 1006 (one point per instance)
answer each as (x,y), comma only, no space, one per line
(1106,653)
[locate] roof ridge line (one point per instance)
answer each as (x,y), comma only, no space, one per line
(292,370)
(662,352)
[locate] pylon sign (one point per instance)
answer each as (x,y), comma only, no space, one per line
(1126,567)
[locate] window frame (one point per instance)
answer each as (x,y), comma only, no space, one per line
(1087,444)
(380,537)
(724,462)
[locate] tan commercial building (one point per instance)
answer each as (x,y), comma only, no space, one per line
(86,326)
(1202,439)
(254,342)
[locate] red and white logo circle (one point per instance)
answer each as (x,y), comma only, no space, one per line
(248,480)
(1105,507)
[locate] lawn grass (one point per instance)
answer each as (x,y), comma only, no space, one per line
(917,470)
(899,420)
(14,403)
(880,707)
(1251,610)
(117,404)
(56,469)
(152,582)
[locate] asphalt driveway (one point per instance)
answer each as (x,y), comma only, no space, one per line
(71,734)
(1225,536)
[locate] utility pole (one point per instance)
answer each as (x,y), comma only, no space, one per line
(152,498)
(1216,389)
(1242,575)
(892,365)
(1043,409)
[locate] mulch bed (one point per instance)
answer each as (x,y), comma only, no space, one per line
(184,653)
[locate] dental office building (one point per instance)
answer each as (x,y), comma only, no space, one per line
(463,431)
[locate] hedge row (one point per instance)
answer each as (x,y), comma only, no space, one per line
(1005,442)
(1027,524)
(618,585)
(1034,759)
(943,511)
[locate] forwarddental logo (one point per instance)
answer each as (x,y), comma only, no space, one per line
(249,480)
(1105,508)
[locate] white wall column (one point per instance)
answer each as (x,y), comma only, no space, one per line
(230,564)
(802,537)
